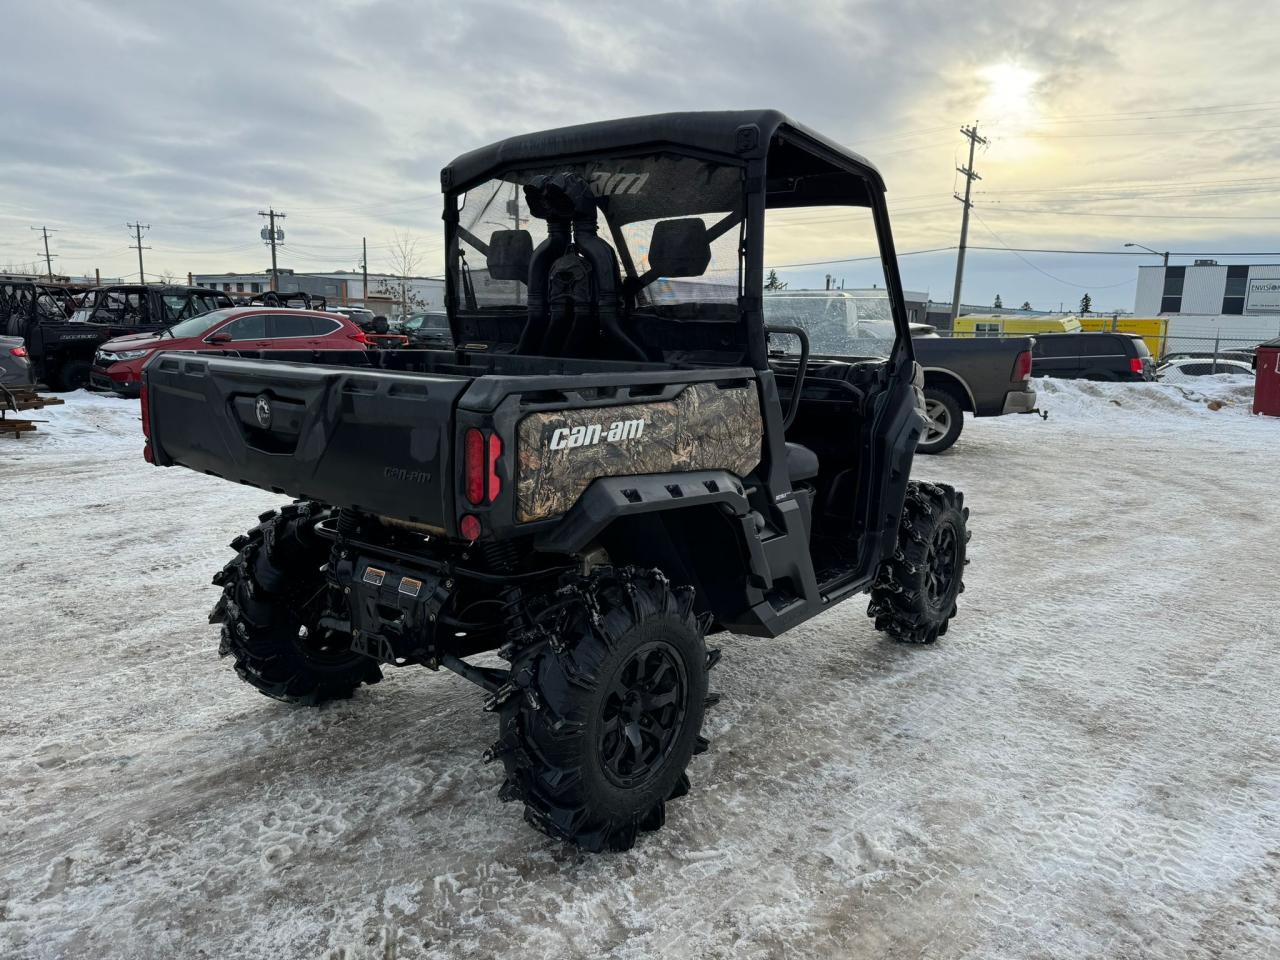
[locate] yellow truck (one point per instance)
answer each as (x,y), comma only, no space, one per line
(996,325)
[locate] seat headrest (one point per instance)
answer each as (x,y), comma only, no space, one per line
(680,248)
(509,255)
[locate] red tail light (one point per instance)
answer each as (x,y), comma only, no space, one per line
(495,452)
(473,465)
(17,351)
(359,337)
(1135,364)
(481,452)
(1022,366)
(469,527)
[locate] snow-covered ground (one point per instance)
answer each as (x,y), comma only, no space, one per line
(1088,764)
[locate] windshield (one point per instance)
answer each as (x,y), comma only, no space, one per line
(196,326)
(838,324)
(633,197)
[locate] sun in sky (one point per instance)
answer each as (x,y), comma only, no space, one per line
(1010,97)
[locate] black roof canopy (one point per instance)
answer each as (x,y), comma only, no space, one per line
(734,134)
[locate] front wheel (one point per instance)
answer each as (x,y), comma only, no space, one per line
(946,420)
(604,709)
(914,595)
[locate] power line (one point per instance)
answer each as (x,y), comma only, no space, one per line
(824,263)
(1008,249)
(1132,216)
(1106,185)
(1069,283)
(1125,253)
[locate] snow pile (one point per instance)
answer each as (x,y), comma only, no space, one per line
(1217,395)
(83,423)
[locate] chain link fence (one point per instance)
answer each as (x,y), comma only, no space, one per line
(1163,347)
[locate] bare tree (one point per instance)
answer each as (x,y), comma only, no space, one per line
(406,259)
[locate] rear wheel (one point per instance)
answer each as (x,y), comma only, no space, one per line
(604,710)
(72,375)
(272,598)
(946,420)
(914,595)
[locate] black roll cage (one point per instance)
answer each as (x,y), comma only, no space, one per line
(754,148)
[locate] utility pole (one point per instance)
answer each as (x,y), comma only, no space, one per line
(271,237)
(48,257)
(137,229)
(971,133)
(364,271)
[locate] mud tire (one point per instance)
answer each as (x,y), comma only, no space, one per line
(914,595)
(268,595)
(561,724)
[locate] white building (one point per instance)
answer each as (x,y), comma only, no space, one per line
(1208,287)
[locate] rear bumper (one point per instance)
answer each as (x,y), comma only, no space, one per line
(1019,401)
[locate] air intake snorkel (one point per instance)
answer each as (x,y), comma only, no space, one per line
(563,199)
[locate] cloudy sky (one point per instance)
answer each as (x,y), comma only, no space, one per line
(1151,121)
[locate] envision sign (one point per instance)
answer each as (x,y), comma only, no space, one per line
(1263,296)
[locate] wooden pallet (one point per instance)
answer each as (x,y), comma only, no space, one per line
(16,428)
(19,400)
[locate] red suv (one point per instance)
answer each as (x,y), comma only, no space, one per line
(118,364)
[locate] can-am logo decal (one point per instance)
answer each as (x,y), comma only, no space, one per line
(605,184)
(566,438)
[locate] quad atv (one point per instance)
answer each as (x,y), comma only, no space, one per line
(609,468)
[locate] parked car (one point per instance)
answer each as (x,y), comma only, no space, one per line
(1191,368)
(118,364)
(1093,356)
(427,330)
(984,376)
(15,367)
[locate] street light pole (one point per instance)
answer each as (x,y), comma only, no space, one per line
(1164,256)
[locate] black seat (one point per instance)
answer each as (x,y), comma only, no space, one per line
(802,463)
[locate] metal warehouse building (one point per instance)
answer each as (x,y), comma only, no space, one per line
(1208,287)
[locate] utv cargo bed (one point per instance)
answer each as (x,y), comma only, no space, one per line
(354,436)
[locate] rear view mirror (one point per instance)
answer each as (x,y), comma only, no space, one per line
(509,255)
(220,337)
(680,248)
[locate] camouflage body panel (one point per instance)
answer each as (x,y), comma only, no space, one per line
(704,428)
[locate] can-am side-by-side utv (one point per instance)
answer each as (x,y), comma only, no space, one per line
(609,466)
